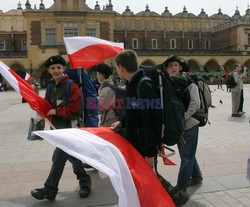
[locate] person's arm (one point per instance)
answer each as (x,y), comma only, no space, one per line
(244,74)
(74,105)
(194,101)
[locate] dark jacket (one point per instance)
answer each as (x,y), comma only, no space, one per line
(68,109)
(143,126)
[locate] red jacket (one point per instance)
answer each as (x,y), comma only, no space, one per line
(67,108)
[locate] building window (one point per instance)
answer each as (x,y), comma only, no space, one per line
(2,45)
(91,32)
(190,44)
(154,44)
(134,43)
(172,43)
(23,44)
(207,44)
(50,35)
(70,30)
(248,39)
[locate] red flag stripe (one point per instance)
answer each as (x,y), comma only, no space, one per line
(92,55)
(149,188)
(36,102)
(86,51)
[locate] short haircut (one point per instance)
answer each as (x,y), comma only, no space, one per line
(128,60)
(236,65)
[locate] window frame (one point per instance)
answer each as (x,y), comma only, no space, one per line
(170,41)
(137,43)
(156,43)
(4,45)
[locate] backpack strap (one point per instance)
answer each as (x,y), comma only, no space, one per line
(68,84)
(50,90)
(139,85)
(105,85)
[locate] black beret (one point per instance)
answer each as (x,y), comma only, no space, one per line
(104,69)
(183,63)
(57,59)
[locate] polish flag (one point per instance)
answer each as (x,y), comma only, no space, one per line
(28,78)
(36,102)
(133,180)
(87,51)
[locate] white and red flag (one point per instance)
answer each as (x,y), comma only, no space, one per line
(88,51)
(28,78)
(133,180)
(36,102)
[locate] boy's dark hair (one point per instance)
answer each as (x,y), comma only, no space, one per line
(128,60)
(104,69)
(57,59)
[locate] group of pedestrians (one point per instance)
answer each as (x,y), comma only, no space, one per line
(143,125)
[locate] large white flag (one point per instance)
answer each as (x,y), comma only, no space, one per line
(132,178)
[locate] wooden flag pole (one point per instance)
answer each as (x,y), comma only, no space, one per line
(50,124)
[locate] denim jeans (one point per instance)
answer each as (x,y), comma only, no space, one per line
(59,159)
(189,167)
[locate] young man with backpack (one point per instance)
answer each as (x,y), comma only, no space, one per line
(143,123)
(65,112)
(189,172)
(106,96)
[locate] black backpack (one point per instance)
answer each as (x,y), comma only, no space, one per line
(230,82)
(120,98)
(173,108)
(181,87)
(205,98)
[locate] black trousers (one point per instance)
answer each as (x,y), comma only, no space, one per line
(59,159)
(241,101)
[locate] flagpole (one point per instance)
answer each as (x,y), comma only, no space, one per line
(50,124)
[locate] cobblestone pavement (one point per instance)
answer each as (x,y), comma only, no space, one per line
(222,153)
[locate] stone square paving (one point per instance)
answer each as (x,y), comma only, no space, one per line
(222,153)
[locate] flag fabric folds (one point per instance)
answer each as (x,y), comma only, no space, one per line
(133,180)
(36,102)
(28,78)
(87,51)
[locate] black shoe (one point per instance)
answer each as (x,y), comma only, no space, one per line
(236,115)
(179,196)
(85,191)
(196,181)
(39,194)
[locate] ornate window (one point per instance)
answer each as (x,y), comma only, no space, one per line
(70,30)
(50,36)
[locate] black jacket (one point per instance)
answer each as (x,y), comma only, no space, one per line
(143,126)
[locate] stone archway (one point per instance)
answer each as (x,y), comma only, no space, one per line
(43,75)
(194,65)
(148,62)
(229,65)
(212,65)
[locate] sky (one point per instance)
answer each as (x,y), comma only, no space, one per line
(174,6)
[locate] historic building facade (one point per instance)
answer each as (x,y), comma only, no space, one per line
(28,36)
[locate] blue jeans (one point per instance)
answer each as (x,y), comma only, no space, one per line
(59,159)
(189,167)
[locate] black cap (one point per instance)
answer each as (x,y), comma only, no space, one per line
(183,63)
(104,69)
(57,59)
